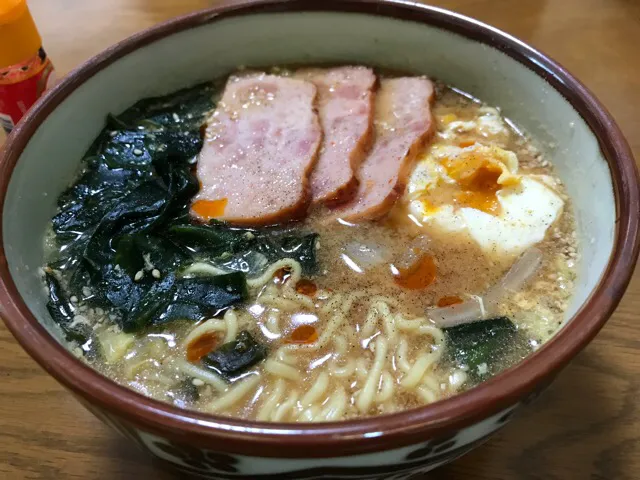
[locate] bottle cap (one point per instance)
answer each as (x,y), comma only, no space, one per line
(19,37)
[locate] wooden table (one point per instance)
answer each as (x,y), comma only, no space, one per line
(588,424)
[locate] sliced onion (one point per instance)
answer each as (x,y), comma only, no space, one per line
(413,251)
(366,255)
(465,312)
(482,308)
(518,275)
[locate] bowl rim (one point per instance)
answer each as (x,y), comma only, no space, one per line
(353,436)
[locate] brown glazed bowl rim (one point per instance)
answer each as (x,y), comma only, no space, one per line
(354,436)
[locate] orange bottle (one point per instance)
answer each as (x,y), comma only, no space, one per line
(25,70)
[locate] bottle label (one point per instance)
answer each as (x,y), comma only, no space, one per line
(21,85)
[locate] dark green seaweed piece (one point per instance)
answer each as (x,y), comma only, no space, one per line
(205,296)
(250,262)
(137,149)
(302,248)
(92,196)
(213,239)
(234,358)
(116,289)
(194,299)
(130,149)
(129,255)
(495,343)
(136,212)
(61,311)
(161,253)
(247,250)
(184,108)
(152,303)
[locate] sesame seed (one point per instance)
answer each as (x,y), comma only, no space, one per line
(155,273)
(99,311)
(86,291)
(197,382)
(74,299)
(137,152)
(139,275)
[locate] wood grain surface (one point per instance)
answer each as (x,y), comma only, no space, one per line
(588,424)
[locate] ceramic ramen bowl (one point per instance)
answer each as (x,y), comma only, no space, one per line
(589,152)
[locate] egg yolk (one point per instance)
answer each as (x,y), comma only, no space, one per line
(209,209)
(419,275)
(479,189)
(428,206)
(477,180)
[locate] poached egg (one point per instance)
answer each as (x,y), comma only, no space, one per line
(477,191)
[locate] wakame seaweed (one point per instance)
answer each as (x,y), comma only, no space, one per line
(125,235)
(62,312)
(247,250)
(234,358)
(485,346)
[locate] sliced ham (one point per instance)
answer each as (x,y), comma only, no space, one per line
(261,145)
(403,124)
(345,108)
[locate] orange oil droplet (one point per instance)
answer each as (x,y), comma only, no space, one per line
(209,209)
(306,287)
(302,335)
(419,275)
(201,346)
(281,276)
(449,300)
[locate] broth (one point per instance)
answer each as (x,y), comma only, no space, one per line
(349,336)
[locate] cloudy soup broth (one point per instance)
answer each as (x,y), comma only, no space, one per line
(310,245)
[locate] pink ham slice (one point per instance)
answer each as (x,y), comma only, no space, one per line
(260,148)
(345,108)
(403,124)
